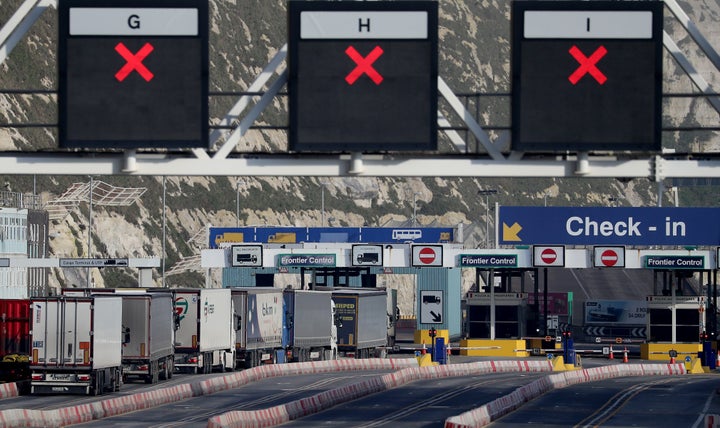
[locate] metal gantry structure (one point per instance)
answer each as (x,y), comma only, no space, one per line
(493,162)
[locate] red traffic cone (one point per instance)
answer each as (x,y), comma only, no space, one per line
(672,360)
(717,362)
(423,351)
(625,357)
(611,356)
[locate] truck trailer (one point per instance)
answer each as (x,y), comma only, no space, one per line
(205,337)
(363,321)
(148,325)
(15,340)
(311,333)
(76,344)
(258,325)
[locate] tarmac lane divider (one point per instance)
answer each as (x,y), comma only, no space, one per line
(489,412)
(284,413)
(144,400)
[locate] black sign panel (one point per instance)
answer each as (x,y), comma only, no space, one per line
(363,76)
(133,73)
(586,75)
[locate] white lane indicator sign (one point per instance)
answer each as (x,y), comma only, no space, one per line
(427,255)
(613,256)
(549,256)
(431,306)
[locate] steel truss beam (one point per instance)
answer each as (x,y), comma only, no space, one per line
(494,163)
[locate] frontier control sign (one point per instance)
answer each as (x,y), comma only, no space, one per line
(675,262)
(306,260)
(488,261)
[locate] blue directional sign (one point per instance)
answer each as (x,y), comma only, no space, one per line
(225,236)
(609,226)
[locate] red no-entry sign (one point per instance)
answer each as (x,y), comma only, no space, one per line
(427,255)
(609,258)
(548,256)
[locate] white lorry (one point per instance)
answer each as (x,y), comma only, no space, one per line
(205,337)
(76,345)
(258,325)
(148,326)
(311,329)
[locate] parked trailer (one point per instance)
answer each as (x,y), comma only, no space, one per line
(363,321)
(15,340)
(76,344)
(310,325)
(205,338)
(148,324)
(148,327)
(258,325)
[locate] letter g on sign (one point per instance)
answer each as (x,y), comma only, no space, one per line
(134,22)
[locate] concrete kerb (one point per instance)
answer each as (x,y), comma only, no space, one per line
(144,400)
(491,411)
(286,412)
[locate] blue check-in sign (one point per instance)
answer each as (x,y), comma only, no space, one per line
(488,261)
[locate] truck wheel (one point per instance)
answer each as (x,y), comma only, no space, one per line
(96,387)
(207,365)
(171,370)
(118,381)
(164,371)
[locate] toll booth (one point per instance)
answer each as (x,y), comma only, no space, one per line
(675,319)
(510,317)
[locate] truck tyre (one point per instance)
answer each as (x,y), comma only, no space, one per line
(171,370)
(207,364)
(164,370)
(96,386)
(118,380)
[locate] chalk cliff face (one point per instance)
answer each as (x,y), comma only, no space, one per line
(474,56)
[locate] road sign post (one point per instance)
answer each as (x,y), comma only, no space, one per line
(133,74)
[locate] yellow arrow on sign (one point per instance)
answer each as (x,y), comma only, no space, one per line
(510,233)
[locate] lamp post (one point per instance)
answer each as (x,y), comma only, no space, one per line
(322,203)
(487,193)
(89,243)
(414,217)
(237,202)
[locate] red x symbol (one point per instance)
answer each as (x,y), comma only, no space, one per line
(134,62)
(364,65)
(587,65)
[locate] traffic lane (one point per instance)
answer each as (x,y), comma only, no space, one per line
(652,401)
(419,404)
(56,401)
(196,411)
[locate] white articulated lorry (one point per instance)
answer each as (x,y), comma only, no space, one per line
(258,325)
(205,338)
(148,326)
(76,345)
(311,329)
